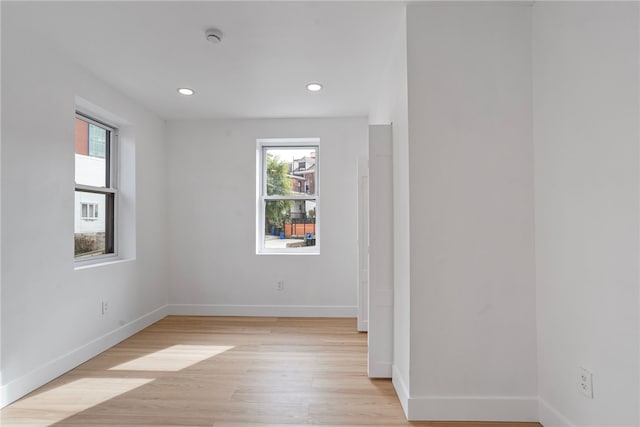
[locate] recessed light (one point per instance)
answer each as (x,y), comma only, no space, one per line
(185,91)
(314,87)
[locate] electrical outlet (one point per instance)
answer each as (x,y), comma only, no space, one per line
(280,286)
(585,382)
(105,307)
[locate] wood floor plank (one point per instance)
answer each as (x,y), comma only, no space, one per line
(225,371)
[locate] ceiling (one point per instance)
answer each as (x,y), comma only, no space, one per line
(269,52)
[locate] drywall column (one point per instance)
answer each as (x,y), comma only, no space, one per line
(473,350)
(586,116)
(391,107)
(398,101)
(363,244)
(381,252)
(2,398)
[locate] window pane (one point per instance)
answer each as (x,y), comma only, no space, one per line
(291,171)
(82,137)
(289,224)
(91,152)
(90,227)
(97,141)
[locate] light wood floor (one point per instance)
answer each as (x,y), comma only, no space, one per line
(224,371)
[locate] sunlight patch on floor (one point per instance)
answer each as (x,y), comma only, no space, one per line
(174,358)
(69,399)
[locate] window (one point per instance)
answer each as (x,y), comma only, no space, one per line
(95,190)
(89,211)
(288,196)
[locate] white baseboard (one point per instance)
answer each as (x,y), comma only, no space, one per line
(473,408)
(38,377)
(363,326)
(550,417)
(470,408)
(401,389)
(261,310)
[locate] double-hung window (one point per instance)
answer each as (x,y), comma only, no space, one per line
(95,189)
(288,196)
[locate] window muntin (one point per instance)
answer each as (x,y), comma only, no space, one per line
(288,197)
(95,192)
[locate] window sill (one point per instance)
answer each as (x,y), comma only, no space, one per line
(285,252)
(91,263)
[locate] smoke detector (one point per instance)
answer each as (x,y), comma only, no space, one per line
(213,35)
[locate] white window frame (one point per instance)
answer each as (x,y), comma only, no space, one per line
(110,189)
(262,145)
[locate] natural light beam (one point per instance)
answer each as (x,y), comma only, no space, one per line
(174,358)
(57,404)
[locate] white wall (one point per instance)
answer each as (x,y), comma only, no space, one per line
(212,188)
(472,294)
(51,312)
(586,118)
